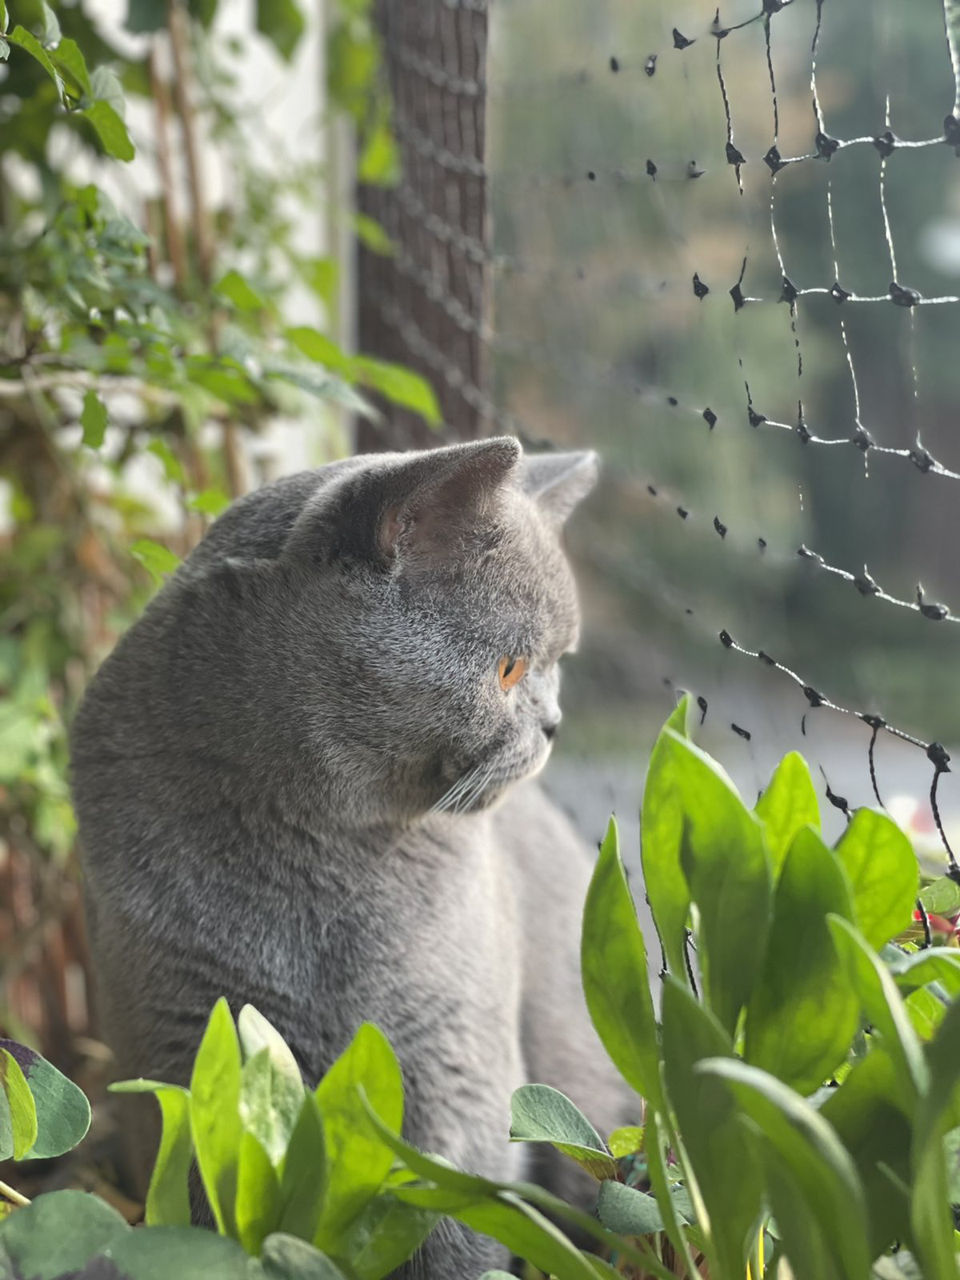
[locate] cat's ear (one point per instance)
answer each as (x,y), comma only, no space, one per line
(437,498)
(405,506)
(559,481)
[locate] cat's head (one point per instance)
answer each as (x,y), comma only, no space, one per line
(426,605)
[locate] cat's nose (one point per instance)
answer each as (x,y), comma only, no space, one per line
(550,728)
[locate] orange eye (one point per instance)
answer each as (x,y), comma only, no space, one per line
(511,670)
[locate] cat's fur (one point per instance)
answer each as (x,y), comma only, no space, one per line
(266,776)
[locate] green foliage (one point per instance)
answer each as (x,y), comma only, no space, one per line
(125,347)
(42,1113)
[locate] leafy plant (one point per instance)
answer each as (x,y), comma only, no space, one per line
(801,1080)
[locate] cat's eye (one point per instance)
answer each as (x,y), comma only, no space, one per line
(511,670)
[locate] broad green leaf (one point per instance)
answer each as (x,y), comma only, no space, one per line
(809,1159)
(661,832)
(303,1174)
(883,873)
(869,1121)
(526,1232)
(933,964)
(385,1233)
(803,1015)
(287,1258)
(236,289)
(155,558)
(317,346)
(282,23)
(358,1158)
(21,37)
(70,62)
(542,1114)
(379,160)
(941,896)
(271,1098)
(168,1197)
(214,1105)
(787,806)
(4,20)
(613,962)
(630,1212)
(257,1204)
(930,1213)
(399,385)
(714,1136)
(883,1005)
(925,1012)
(110,129)
(57,1234)
(186,1253)
(105,85)
(18,1111)
(93,419)
(726,867)
(62,1109)
(209,502)
(626,1140)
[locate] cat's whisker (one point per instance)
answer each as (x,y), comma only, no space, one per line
(451,797)
(476,789)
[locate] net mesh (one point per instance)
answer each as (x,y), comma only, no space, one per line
(722,247)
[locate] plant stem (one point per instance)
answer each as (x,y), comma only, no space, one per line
(14,1196)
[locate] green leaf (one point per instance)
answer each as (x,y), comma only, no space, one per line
(29,43)
(866,1114)
(379,160)
(613,961)
(155,558)
(803,1015)
(626,1140)
(146,16)
(941,897)
(542,1114)
(385,1233)
(214,1104)
(714,1136)
(257,1033)
(209,502)
(257,1204)
(4,49)
(105,85)
(400,385)
(110,129)
(372,236)
(631,1212)
(930,1214)
(51,34)
(70,62)
(318,347)
(271,1099)
(62,1110)
(282,23)
(726,866)
(661,832)
(57,1234)
(93,419)
(287,1258)
(162,1253)
(663,1190)
(803,1156)
(526,1232)
(358,1158)
(237,290)
(172,466)
(884,1007)
(303,1174)
(883,873)
(18,1111)
(4,20)
(787,806)
(933,964)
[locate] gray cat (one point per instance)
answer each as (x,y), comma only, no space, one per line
(301,782)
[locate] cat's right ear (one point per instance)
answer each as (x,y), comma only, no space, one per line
(409,507)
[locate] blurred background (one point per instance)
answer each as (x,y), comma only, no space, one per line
(241,239)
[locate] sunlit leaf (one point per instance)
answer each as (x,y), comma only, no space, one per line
(155,558)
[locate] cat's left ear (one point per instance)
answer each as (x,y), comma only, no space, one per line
(559,481)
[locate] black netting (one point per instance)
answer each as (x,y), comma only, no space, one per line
(724,249)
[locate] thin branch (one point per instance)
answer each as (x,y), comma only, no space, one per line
(12,1195)
(171,223)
